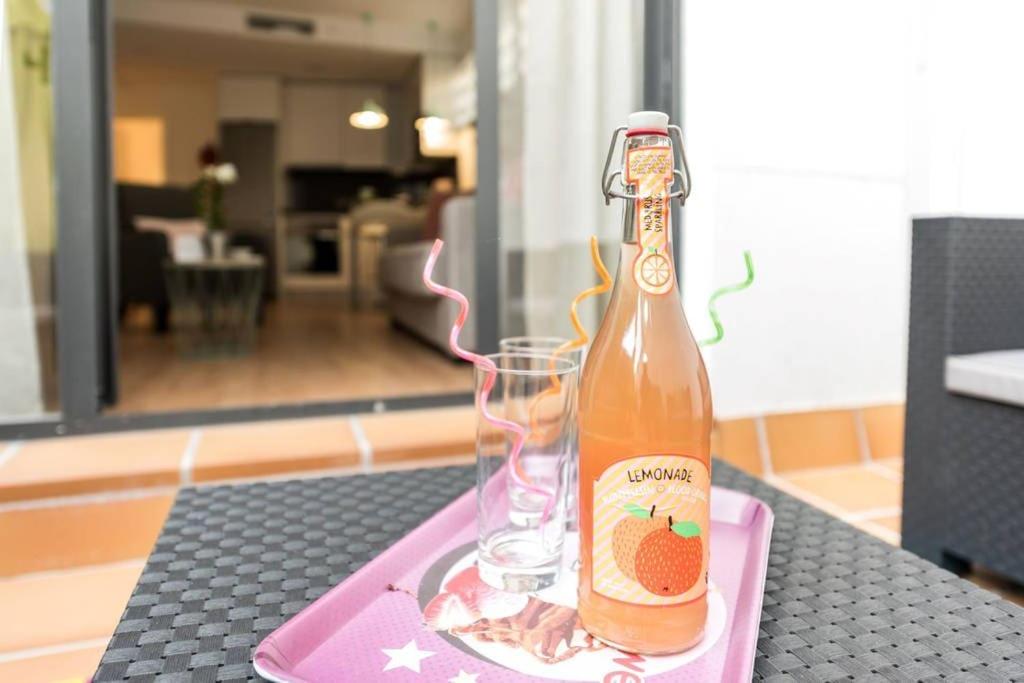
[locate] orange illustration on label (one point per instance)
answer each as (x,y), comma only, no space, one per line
(651,516)
(649,170)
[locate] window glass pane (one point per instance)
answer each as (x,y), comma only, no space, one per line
(569,74)
(279,184)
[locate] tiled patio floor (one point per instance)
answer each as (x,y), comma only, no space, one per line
(868,495)
(846,462)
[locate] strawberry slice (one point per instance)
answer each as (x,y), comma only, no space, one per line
(447,611)
(466,598)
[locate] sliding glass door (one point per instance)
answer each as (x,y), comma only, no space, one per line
(278,187)
(241,224)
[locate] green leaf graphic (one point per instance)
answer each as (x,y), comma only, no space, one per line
(637,511)
(686,529)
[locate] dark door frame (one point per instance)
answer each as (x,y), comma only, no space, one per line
(86,256)
(488,256)
(82,165)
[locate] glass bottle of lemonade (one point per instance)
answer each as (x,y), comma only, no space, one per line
(645,432)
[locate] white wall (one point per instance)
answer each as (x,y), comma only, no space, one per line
(247,97)
(815,130)
(185,98)
(967,116)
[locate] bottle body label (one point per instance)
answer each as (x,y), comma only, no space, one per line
(650,535)
(649,170)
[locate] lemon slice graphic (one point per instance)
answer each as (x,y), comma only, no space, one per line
(655,270)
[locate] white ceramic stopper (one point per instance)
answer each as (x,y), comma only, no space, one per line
(648,120)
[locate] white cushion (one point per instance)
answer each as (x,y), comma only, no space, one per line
(184,235)
(172,227)
(993,375)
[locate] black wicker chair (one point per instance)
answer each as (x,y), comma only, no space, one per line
(963,491)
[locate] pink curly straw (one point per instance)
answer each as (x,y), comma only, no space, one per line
(488,366)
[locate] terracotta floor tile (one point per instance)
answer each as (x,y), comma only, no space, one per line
(58,537)
(821,438)
(262,448)
(884,425)
(853,489)
(37,609)
(894,464)
(76,665)
(87,464)
(878,531)
(891,523)
(420,433)
(738,445)
(440,461)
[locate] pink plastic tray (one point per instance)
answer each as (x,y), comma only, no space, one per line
(419,612)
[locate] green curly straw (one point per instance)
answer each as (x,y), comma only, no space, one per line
(722,291)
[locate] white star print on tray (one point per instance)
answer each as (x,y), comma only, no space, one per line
(463,677)
(409,656)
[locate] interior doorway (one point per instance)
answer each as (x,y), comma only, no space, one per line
(277,188)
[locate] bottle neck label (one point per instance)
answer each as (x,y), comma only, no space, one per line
(649,171)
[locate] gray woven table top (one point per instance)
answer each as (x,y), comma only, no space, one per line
(234,562)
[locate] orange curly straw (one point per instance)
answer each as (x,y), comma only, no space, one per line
(581,340)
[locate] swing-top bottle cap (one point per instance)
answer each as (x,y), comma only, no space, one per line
(647,121)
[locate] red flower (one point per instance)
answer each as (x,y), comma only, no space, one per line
(208,155)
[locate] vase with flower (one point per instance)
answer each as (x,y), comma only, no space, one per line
(214,176)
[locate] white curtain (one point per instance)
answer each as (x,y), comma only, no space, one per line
(20,390)
(570,74)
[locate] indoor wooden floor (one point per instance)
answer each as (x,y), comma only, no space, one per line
(308,349)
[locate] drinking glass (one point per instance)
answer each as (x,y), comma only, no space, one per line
(521,501)
(548,346)
(531,344)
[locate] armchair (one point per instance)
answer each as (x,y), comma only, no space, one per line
(963,478)
(141,254)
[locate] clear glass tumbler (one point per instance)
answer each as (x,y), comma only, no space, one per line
(531,344)
(521,497)
(548,346)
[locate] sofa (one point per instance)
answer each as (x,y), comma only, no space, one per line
(411,306)
(964,443)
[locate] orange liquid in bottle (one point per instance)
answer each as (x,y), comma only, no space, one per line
(645,431)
